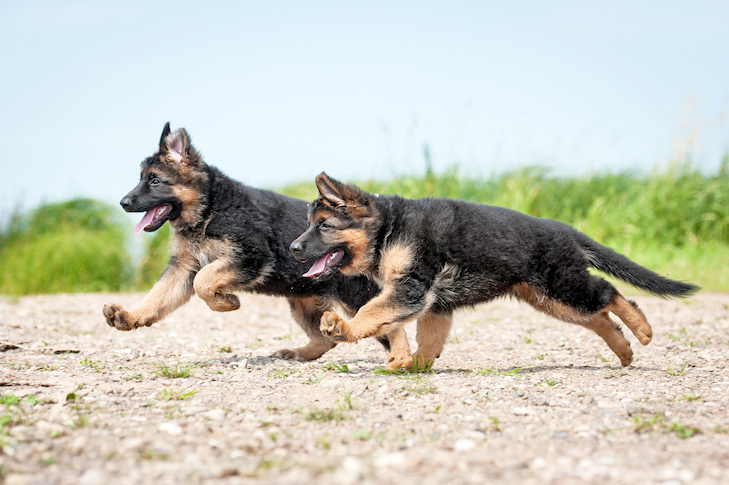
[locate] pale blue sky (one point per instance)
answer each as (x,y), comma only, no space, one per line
(274,92)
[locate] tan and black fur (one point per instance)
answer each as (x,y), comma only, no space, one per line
(432,256)
(229,237)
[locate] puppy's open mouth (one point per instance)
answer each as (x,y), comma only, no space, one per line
(153,219)
(326,264)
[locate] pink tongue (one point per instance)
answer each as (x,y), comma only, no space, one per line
(148,217)
(318,267)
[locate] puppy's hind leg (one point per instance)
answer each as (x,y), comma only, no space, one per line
(633,318)
(307,312)
(433,330)
(598,321)
(399,348)
(603,325)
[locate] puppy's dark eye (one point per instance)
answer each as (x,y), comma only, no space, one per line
(154,181)
(325,226)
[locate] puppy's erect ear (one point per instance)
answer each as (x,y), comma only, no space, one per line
(330,190)
(174,144)
(338,195)
(165,132)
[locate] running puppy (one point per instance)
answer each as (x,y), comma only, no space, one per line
(229,237)
(432,256)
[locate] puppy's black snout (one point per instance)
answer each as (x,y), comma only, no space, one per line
(126,203)
(296,249)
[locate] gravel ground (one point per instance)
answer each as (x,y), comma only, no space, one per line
(515,398)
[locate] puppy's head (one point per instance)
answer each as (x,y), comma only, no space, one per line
(343,223)
(171,184)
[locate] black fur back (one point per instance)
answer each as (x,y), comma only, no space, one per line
(489,249)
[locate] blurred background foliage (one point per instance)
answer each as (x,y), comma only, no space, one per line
(73,246)
(673,220)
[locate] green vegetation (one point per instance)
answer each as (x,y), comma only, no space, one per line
(657,422)
(12,413)
(176,394)
(550,382)
(312,380)
(94,366)
(332,414)
(176,371)
(282,373)
(418,384)
(74,246)
(495,372)
(676,372)
(343,369)
(691,396)
(154,260)
(674,221)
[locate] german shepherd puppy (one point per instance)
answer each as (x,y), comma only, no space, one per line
(432,256)
(229,237)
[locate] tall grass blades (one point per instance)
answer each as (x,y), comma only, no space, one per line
(155,257)
(74,246)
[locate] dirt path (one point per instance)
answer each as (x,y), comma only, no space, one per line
(516,398)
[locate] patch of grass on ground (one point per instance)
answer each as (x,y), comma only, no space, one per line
(174,371)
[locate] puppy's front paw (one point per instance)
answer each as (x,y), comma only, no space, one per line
(287,354)
(333,326)
(402,363)
(118,317)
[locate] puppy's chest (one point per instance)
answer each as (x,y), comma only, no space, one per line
(202,253)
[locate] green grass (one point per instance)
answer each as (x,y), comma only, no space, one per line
(312,380)
(674,221)
(691,396)
(343,369)
(12,413)
(155,257)
(362,434)
(176,371)
(176,394)
(674,371)
(551,382)
(332,414)
(495,372)
(94,366)
(418,384)
(74,246)
(657,422)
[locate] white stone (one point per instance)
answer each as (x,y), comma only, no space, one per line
(519,411)
(464,444)
(170,427)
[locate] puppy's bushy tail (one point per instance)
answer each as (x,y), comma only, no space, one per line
(615,264)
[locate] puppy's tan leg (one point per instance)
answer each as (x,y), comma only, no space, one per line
(599,322)
(602,325)
(633,318)
(215,282)
(361,326)
(379,316)
(399,355)
(433,330)
(307,313)
(173,289)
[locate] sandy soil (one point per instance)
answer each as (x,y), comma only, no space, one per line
(516,398)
